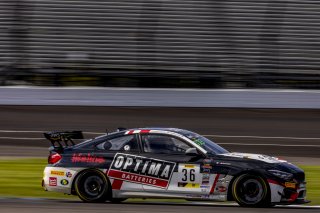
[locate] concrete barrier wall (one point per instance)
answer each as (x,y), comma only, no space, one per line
(136,97)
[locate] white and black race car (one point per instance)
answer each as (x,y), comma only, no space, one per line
(167,163)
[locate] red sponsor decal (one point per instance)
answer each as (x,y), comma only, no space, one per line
(143,131)
(86,158)
(129,132)
(214,183)
(117,184)
(222,189)
(136,178)
(52,181)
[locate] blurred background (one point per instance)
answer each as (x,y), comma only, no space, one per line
(160,43)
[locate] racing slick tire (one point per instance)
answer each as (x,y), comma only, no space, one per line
(92,186)
(250,190)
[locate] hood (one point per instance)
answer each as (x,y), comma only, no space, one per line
(259,157)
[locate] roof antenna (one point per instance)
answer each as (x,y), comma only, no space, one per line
(121,129)
(107,131)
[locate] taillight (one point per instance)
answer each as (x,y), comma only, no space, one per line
(54,158)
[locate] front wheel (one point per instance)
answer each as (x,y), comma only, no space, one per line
(251,191)
(92,186)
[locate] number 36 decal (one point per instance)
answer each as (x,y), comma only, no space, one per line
(189,172)
(188,175)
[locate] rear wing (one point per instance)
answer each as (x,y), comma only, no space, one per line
(57,138)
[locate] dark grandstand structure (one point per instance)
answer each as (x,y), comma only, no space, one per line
(161,43)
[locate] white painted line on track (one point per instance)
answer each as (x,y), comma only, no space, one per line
(15,138)
(20,131)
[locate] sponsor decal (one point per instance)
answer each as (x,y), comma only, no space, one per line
(221,188)
(189,185)
(206,171)
(130,132)
(207,161)
(142,170)
(189,166)
(214,183)
(199,142)
(64,182)
(205,175)
(126,147)
(205,182)
(86,158)
(222,163)
(290,185)
(52,181)
(69,175)
(59,173)
(207,166)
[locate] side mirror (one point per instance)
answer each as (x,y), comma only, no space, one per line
(192,152)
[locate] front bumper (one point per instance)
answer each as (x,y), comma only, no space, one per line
(288,193)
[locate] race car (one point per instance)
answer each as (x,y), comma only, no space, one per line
(167,163)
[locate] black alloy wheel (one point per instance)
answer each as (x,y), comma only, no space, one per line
(251,191)
(92,186)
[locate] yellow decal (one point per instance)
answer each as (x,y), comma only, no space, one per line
(189,185)
(193,185)
(290,185)
(189,166)
(60,173)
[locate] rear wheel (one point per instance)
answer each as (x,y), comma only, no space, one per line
(251,191)
(92,186)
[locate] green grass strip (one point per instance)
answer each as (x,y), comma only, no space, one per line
(22,178)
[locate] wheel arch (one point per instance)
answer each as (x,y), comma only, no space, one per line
(251,172)
(73,190)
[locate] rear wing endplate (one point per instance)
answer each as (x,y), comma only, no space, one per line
(57,138)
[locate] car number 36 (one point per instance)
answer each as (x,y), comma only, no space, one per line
(188,175)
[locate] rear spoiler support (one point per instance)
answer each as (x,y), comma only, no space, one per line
(56,138)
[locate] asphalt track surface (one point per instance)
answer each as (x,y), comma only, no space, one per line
(54,206)
(279,132)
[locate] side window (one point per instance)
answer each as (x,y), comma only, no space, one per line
(163,144)
(123,143)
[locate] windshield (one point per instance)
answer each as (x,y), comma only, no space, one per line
(205,143)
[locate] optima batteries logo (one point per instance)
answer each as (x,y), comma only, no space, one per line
(142,170)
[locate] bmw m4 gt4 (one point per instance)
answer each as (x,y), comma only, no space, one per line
(167,163)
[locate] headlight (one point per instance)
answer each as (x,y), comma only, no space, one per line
(281,174)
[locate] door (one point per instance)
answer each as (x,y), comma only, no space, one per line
(121,153)
(184,177)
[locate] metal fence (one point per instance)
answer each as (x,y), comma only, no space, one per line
(221,43)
